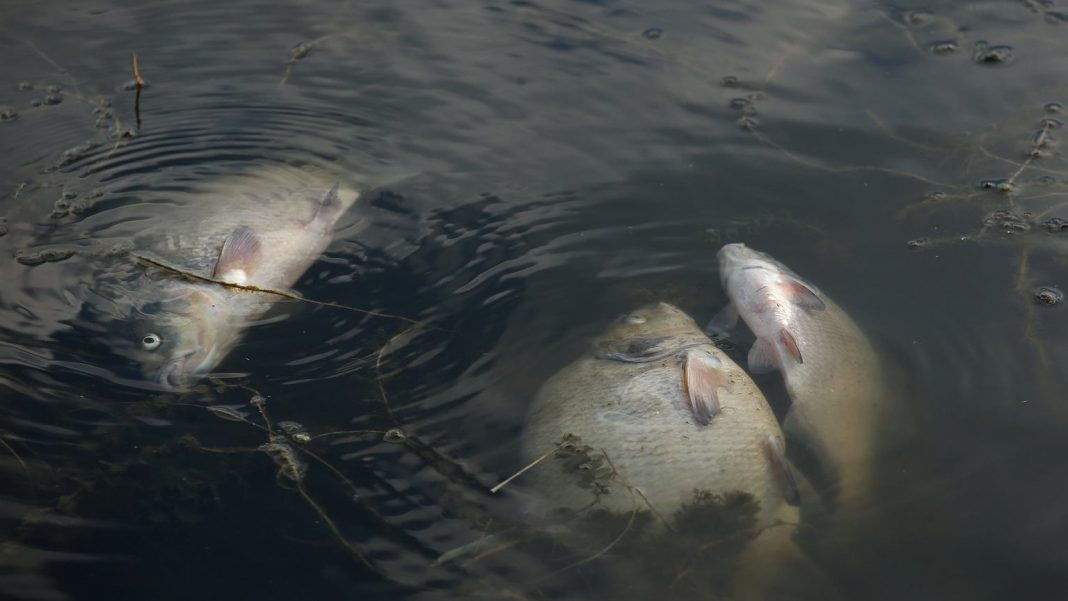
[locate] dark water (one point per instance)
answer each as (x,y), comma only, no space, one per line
(534,169)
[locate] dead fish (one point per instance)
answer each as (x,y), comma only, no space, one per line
(662,412)
(830,369)
(259,231)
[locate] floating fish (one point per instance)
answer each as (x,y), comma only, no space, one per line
(257,233)
(830,369)
(662,413)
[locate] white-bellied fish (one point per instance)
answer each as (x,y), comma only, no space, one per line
(830,369)
(669,411)
(259,230)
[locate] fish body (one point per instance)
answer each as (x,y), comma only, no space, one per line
(259,231)
(829,367)
(661,413)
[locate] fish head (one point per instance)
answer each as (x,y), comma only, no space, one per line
(737,257)
(647,332)
(180,339)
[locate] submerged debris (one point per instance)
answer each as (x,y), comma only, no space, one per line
(289,466)
(1048,295)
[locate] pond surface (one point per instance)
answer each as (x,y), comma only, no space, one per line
(531,171)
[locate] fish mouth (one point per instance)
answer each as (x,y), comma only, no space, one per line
(735,251)
(172,374)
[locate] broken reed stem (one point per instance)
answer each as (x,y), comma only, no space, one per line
(136,73)
(139,83)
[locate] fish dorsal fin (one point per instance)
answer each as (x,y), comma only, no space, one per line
(238,257)
(329,208)
(790,345)
(801,295)
(702,377)
(762,357)
(724,321)
(781,470)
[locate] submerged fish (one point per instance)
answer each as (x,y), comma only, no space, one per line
(665,413)
(830,369)
(259,231)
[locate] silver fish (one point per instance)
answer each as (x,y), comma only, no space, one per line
(667,412)
(830,369)
(262,231)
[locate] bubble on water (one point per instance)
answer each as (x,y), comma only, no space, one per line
(25,85)
(53,99)
(917,17)
(1048,295)
(36,102)
(988,55)
(935,195)
(300,51)
(749,123)
(1008,221)
(653,33)
(395,435)
(730,81)
(7,114)
(1045,180)
(1053,108)
(1000,184)
(945,47)
(739,104)
(295,431)
(918,242)
(1051,123)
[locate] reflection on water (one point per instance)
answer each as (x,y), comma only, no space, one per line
(532,170)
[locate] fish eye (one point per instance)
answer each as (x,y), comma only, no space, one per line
(632,319)
(151,342)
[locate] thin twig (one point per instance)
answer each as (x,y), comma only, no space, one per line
(545,456)
(286,295)
(15,455)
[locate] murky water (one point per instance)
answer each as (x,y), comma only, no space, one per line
(533,170)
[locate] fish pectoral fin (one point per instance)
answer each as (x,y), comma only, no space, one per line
(724,321)
(790,344)
(781,470)
(802,296)
(238,257)
(703,376)
(762,357)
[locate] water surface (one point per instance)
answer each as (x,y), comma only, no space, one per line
(533,170)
